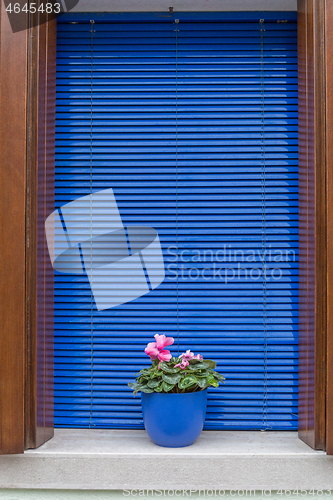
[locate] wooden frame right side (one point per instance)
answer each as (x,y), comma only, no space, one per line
(315,76)
(329,196)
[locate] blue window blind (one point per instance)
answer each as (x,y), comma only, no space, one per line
(191,119)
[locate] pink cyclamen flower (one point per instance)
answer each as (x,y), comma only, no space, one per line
(183,364)
(152,350)
(156,349)
(162,341)
(164,355)
(187,355)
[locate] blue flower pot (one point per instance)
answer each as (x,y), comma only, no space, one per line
(174,420)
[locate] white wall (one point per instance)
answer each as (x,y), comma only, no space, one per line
(183,5)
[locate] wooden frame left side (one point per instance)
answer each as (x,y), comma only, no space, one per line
(27,135)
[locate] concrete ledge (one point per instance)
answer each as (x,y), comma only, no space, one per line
(116,459)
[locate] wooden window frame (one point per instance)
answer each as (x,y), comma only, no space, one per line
(27,143)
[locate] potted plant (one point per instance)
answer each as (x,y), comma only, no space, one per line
(174,393)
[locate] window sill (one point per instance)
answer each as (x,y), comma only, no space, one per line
(122,459)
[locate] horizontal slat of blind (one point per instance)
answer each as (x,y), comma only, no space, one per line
(181,144)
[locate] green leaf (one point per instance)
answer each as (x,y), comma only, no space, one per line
(171,379)
(187,381)
(202,365)
(167,387)
(142,381)
(202,382)
(212,381)
(219,376)
(144,371)
(146,389)
(210,363)
(137,388)
(153,383)
(159,388)
(168,369)
(193,368)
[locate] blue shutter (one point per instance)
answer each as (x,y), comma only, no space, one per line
(194,127)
